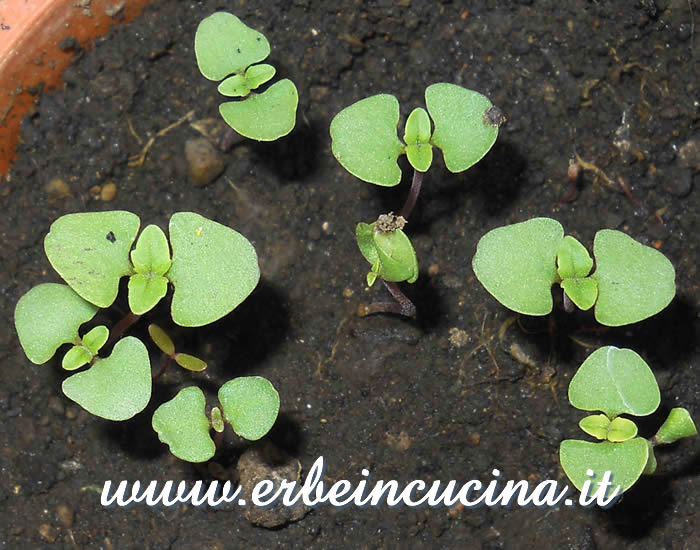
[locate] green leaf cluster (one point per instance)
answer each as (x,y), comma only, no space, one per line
(616,382)
(228,50)
(519,263)
(212,269)
(365,141)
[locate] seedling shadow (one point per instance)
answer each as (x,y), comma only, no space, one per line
(292,157)
(646,505)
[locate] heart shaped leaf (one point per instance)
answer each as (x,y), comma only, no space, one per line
(615,381)
(90,251)
(266,116)
(214,269)
(634,281)
(365,141)
(464,129)
(626,461)
(250,404)
(49,316)
(117,387)
(224,45)
(517,264)
(182,424)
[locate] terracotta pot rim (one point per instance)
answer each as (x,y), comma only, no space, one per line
(30,55)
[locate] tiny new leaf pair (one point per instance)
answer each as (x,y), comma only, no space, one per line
(366,144)
(617,381)
(227,49)
(519,263)
(212,268)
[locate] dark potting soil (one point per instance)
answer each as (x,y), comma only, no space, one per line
(459,392)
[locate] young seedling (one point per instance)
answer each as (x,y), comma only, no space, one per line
(365,142)
(617,381)
(392,257)
(519,263)
(212,269)
(228,50)
(167,346)
(250,404)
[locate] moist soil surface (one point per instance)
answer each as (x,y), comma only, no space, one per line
(467,387)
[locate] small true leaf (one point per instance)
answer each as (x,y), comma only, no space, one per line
(161,339)
(145,291)
(116,387)
(214,269)
(573,260)
(582,292)
(625,460)
(76,357)
(96,338)
(250,404)
(634,281)
(217,421)
(615,381)
(463,129)
(190,362)
(417,138)
(224,45)
(365,142)
(48,316)
(151,256)
(234,86)
(595,425)
(621,429)
(266,116)
(90,251)
(257,75)
(182,424)
(677,425)
(517,264)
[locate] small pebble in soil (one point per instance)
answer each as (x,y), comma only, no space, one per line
(267,462)
(689,154)
(204,162)
(57,188)
(109,191)
(48,532)
(678,183)
(65,514)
